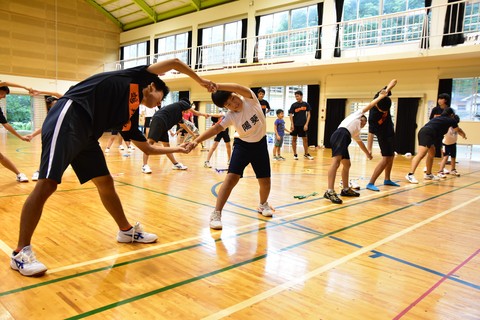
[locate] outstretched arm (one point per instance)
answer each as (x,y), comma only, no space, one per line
(382,95)
(14,132)
(176,64)
(49,93)
(11,84)
(237,88)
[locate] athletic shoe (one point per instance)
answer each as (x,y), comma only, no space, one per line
(390,183)
(349,193)
(179,166)
(107,150)
(295,157)
(445,170)
(275,158)
(308,156)
(131,148)
(216,220)
(265,210)
(26,263)
(441,175)
(372,187)
(207,164)
(352,184)
(21,177)
(332,196)
(425,169)
(280,158)
(136,234)
(411,178)
(120,147)
(431,177)
(455,173)
(35,176)
(146,169)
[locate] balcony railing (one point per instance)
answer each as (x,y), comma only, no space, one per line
(405,31)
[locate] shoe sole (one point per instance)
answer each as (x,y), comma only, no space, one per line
(216,228)
(34,275)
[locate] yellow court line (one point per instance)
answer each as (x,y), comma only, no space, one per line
(298,280)
(114,257)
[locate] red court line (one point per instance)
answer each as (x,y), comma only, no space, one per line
(413,304)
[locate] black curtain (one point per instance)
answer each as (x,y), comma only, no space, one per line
(445,86)
(189,46)
(453,29)
(257,30)
(406,125)
(198,64)
(318,53)
(196,107)
(148,52)
(313,100)
(184,95)
(339,9)
(243,57)
(335,115)
(425,43)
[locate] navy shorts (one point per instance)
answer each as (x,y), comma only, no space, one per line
(67,139)
(255,153)
(450,150)
(340,140)
(387,145)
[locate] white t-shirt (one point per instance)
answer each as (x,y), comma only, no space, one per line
(352,124)
(147,112)
(250,123)
(450,137)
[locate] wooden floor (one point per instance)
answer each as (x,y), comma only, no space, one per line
(410,252)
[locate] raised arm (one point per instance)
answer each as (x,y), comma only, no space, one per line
(176,64)
(237,88)
(11,84)
(382,95)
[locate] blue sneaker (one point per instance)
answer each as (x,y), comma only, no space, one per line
(372,187)
(390,183)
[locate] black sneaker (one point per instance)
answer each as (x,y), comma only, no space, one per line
(332,196)
(349,193)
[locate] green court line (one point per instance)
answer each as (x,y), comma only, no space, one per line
(257,258)
(45,283)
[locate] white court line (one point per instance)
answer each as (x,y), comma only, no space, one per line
(114,257)
(298,280)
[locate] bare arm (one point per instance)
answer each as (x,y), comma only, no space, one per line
(49,93)
(176,64)
(14,132)
(370,142)
(382,95)
(237,88)
(11,84)
(461,132)
(211,132)
(364,149)
(151,150)
(198,113)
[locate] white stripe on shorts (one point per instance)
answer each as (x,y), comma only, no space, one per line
(55,134)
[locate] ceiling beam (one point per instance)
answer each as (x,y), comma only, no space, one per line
(196,4)
(147,9)
(105,12)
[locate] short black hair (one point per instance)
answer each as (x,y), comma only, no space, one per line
(186,100)
(220,97)
(445,96)
(161,86)
(299,92)
(260,90)
(5,88)
(385,104)
(279,111)
(457,118)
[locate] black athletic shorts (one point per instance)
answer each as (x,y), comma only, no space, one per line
(427,137)
(245,153)
(67,139)
(387,145)
(298,131)
(222,135)
(340,140)
(158,130)
(450,150)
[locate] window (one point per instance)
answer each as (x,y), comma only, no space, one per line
(466,98)
(135,55)
(175,46)
(18,111)
(222,44)
(288,33)
(369,26)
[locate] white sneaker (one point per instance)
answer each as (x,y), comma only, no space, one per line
(351,184)
(424,169)
(146,169)
(431,177)
(446,171)
(308,156)
(411,178)
(207,164)
(216,220)
(441,175)
(265,210)
(121,147)
(131,148)
(136,234)
(107,150)
(179,166)
(21,177)
(35,176)
(27,264)
(295,157)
